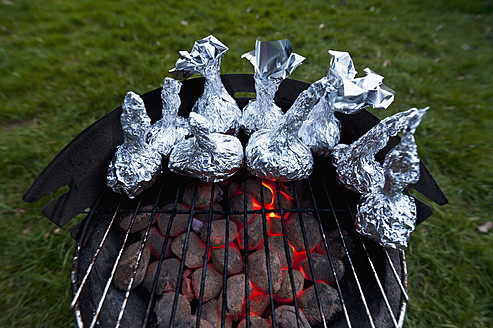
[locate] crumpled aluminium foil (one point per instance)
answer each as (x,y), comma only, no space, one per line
(273,62)
(135,164)
(171,128)
(279,154)
(215,103)
(385,213)
(321,131)
(210,157)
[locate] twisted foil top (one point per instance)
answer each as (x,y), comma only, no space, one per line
(279,154)
(135,164)
(385,213)
(208,156)
(215,103)
(171,128)
(273,62)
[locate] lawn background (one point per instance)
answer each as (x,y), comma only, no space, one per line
(64,64)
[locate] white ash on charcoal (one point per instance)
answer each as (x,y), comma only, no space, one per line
(322,268)
(164,306)
(286,318)
(218,233)
(195,252)
(285,294)
(191,322)
(204,217)
(237,204)
(187,289)
(334,243)
(235,295)
(155,242)
(125,268)
(168,276)
(213,283)
(141,219)
(203,197)
(179,223)
(255,321)
(235,261)
(295,234)
(329,299)
(257,271)
(211,312)
(255,231)
(276,244)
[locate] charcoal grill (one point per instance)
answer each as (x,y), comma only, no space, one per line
(373,293)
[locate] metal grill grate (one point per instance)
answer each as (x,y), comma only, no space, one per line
(371,294)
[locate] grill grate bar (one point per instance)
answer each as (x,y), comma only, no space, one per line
(161,257)
(324,238)
(288,256)
(225,271)
(267,255)
(399,282)
(309,257)
(206,256)
(115,265)
(362,295)
(245,227)
(379,283)
(183,257)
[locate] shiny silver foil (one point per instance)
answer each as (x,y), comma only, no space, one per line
(215,103)
(135,164)
(171,128)
(321,131)
(278,153)
(385,213)
(208,156)
(273,62)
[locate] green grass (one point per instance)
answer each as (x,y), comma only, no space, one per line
(64,64)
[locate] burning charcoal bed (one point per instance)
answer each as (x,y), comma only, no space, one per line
(225,254)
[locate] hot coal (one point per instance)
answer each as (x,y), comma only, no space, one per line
(195,252)
(255,233)
(295,234)
(191,322)
(211,312)
(323,271)
(204,217)
(218,233)
(329,299)
(253,188)
(213,283)
(168,276)
(286,318)
(334,243)
(285,294)
(186,289)
(255,321)
(237,203)
(257,271)
(164,308)
(235,261)
(259,302)
(180,221)
(125,268)
(276,244)
(141,219)
(155,241)
(203,198)
(275,225)
(235,295)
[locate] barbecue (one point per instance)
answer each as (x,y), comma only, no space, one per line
(303,264)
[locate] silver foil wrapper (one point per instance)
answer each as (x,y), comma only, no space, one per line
(135,164)
(273,62)
(345,93)
(278,153)
(171,128)
(215,103)
(385,213)
(208,156)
